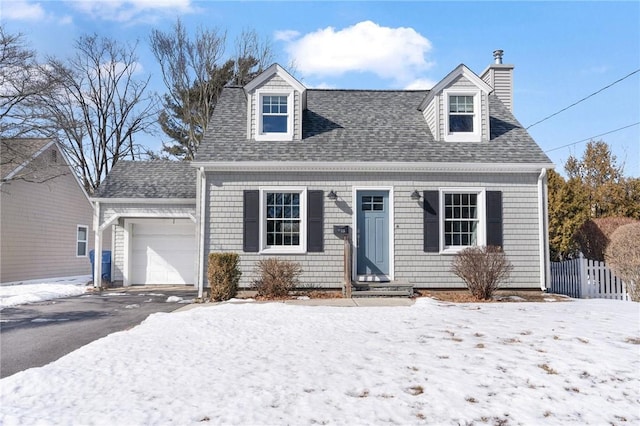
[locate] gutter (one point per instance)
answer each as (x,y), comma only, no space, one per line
(369,166)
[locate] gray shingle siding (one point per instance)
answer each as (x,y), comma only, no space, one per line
(223,227)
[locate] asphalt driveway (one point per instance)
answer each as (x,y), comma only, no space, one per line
(36,334)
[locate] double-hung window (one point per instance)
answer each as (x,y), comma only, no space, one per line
(462,121)
(460,113)
(463,219)
(82,234)
(274,116)
(283,220)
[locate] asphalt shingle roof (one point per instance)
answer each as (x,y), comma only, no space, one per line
(14,152)
(149,179)
(363,125)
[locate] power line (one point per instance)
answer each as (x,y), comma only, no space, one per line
(593,137)
(584,99)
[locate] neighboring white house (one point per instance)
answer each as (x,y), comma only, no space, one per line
(46,218)
(415,175)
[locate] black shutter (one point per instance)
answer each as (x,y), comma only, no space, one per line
(315,225)
(494,218)
(431,222)
(251,219)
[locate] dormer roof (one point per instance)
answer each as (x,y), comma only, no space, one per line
(460,70)
(274,69)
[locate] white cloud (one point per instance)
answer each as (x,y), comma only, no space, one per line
(131,10)
(286,35)
(399,53)
(420,84)
(22,10)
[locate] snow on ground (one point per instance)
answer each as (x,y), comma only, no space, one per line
(572,362)
(41,290)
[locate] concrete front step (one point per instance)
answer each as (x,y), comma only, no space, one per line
(382,289)
(382,293)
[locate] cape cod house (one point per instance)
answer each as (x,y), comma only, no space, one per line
(284,170)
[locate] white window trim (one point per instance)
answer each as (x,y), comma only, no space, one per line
(476,135)
(482,218)
(260,135)
(85,241)
(302,247)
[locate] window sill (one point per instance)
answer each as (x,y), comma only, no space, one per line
(283,250)
(274,137)
(454,250)
(473,137)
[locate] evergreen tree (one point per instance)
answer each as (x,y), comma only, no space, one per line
(595,188)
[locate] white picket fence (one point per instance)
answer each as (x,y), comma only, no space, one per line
(586,279)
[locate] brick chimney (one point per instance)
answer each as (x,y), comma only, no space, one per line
(500,77)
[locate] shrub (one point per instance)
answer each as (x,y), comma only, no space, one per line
(276,278)
(623,257)
(593,236)
(483,269)
(224,275)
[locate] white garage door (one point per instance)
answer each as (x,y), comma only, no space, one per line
(163,252)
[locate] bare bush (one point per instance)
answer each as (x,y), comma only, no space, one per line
(224,275)
(623,257)
(593,236)
(483,269)
(276,278)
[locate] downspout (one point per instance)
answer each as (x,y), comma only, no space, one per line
(201,223)
(543,236)
(97,252)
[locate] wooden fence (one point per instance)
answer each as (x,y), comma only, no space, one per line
(586,279)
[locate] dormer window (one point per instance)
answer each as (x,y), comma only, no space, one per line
(460,113)
(274,115)
(462,121)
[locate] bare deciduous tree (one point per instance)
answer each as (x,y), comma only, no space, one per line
(99,107)
(187,67)
(194,73)
(21,79)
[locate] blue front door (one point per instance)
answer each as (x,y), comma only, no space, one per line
(372,235)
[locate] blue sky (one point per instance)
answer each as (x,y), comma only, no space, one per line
(562,51)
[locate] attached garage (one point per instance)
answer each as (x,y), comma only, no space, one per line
(162,251)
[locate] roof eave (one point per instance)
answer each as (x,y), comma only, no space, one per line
(354,166)
(139,200)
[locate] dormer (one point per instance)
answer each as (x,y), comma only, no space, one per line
(457,108)
(275,102)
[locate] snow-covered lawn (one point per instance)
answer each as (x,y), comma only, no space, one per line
(41,290)
(572,362)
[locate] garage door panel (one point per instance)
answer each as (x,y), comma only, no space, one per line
(163,252)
